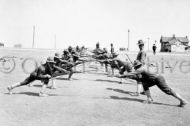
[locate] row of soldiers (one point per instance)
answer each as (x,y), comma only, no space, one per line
(53,67)
(60,65)
(144,78)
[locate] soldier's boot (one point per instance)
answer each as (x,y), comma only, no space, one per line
(42,92)
(149,98)
(11,87)
(70,74)
(53,84)
(183,102)
(106,68)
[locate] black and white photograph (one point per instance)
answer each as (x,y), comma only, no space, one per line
(94,62)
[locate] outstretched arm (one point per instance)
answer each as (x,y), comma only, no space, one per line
(60,69)
(131,75)
(63,61)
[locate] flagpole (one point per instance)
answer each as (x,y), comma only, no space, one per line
(33,36)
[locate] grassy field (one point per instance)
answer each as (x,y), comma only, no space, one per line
(92,98)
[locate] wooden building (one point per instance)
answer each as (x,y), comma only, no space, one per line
(174,44)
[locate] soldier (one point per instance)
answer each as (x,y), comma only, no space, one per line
(112,48)
(154,48)
(105,50)
(70,49)
(116,63)
(67,56)
(43,73)
(98,51)
(77,49)
(97,45)
(61,63)
(76,58)
(149,79)
(141,56)
(109,60)
(104,55)
(82,48)
(122,66)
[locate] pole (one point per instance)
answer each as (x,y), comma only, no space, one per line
(128,39)
(148,43)
(55,42)
(33,36)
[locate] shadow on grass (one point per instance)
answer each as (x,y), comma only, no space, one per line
(96,73)
(25,93)
(77,71)
(31,94)
(48,87)
(36,86)
(122,91)
(138,100)
(126,98)
(39,86)
(113,81)
(60,78)
(28,93)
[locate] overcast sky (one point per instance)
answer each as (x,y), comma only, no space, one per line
(84,22)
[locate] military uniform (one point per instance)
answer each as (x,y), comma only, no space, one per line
(121,65)
(64,63)
(39,74)
(43,73)
(141,56)
(149,79)
(112,49)
(60,63)
(67,56)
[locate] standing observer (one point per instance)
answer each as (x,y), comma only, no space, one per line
(141,57)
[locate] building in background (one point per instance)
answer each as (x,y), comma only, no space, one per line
(174,44)
(18,46)
(2,45)
(122,49)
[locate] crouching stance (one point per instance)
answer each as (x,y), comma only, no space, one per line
(56,72)
(43,73)
(149,79)
(62,64)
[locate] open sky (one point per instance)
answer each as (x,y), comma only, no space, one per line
(84,22)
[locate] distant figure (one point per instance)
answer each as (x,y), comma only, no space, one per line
(98,51)
(105,50)
(82,48)
(112,48)
(97,45)
(77,49)
(154,48)
(70,49)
